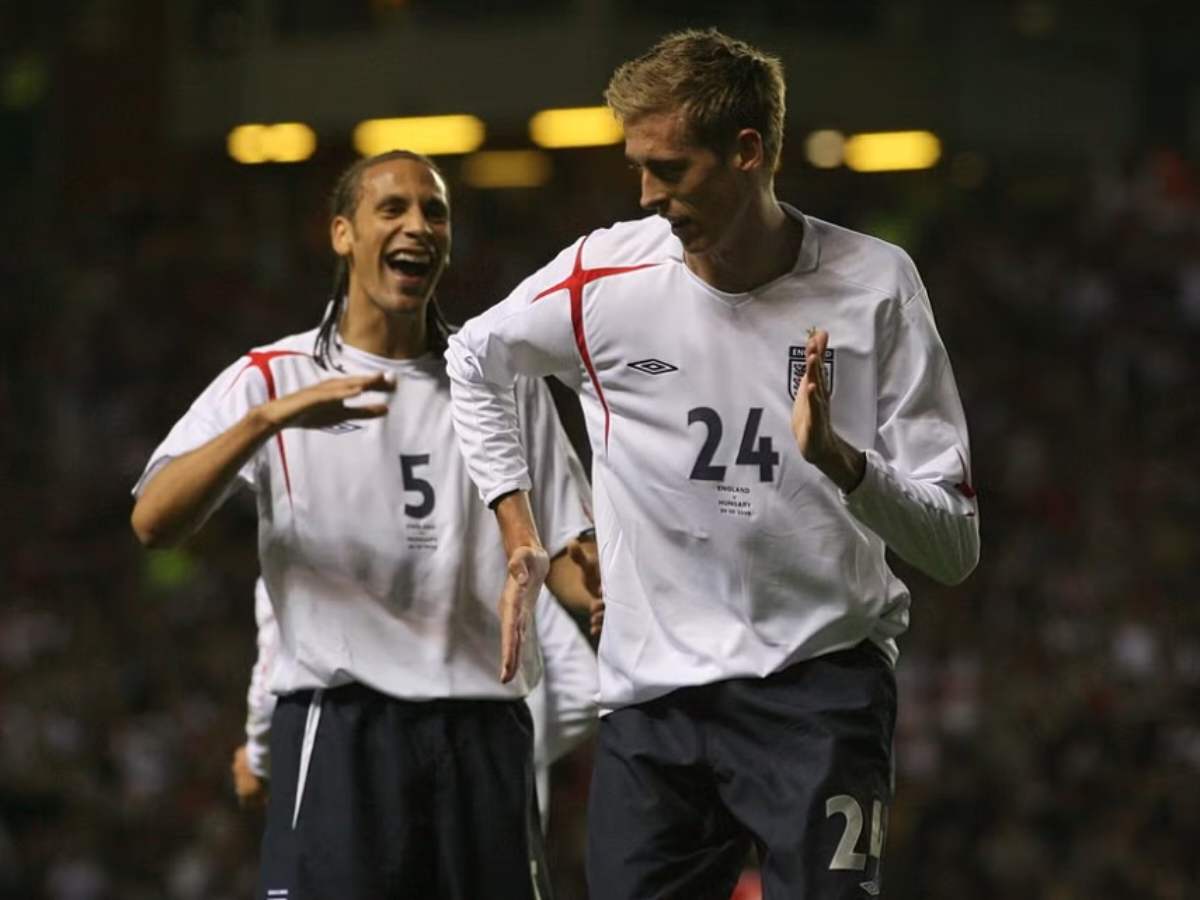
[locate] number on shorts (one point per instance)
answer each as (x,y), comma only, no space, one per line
(845,856)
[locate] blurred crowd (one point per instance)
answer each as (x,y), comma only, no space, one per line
(1049,737)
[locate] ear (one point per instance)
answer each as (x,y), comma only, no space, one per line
(341,234)
(748,150)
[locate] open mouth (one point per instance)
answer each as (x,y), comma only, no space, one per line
(410,263)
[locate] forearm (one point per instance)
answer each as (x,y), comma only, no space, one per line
(930,526)
(176,500)
(844,465)
(515,518)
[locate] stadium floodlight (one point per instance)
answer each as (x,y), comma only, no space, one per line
(583,126)
(431,135)
(291,142)
(285,142)
(507,169)
(245,143)
(892,151)
(825,149)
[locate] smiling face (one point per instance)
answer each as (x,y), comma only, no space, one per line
(397,240)
(702,194)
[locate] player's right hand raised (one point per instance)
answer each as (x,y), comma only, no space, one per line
(324,404)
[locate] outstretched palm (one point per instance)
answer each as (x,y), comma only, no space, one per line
(527,570)
(324,404)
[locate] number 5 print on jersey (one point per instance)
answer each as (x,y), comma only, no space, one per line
(421,535)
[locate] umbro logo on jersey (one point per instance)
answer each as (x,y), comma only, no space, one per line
(341,428)
(797,364)
(653,366)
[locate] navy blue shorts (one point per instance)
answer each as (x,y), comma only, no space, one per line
(797,765)
(399,800)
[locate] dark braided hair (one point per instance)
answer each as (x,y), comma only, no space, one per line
(343,202)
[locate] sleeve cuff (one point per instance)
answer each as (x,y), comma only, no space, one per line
(869,487)
(511,487)
(258,758)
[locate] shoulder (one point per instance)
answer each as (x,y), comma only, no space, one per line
(300,344)
(647,240)
(265,360)
(864,261)
(290,347)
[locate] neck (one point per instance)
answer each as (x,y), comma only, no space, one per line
(397,335)
(761,244)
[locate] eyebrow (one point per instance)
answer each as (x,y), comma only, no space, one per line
(394,198)
(657,160)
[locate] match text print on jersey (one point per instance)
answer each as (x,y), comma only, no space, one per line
(753,450)
(846,857)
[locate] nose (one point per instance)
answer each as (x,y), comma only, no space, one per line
(416,223)
(654,196)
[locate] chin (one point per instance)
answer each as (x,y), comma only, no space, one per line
(403,304)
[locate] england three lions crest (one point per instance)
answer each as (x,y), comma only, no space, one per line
(797,364)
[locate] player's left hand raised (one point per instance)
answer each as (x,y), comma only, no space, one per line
(527,570)
(812,423)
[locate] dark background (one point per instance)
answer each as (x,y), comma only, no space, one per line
(1049,739)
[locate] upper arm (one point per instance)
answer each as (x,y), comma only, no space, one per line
(529,333)
(922,428)
(559,496)
(226,400)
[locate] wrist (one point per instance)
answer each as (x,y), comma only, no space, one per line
(265,418)
(515,518)
(844,466)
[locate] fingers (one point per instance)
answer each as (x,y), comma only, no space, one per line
(380,381)
(512,630)
(344,389)
(814,355)
(527,570)
(370,411)
(596,619)
(584,556)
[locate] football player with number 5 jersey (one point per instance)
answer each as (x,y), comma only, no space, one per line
(401,745)
(770,409)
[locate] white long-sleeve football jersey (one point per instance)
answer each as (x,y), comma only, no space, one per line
(723,552)
(562,705)
(382,565)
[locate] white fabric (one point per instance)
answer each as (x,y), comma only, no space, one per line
(381,564)
(563,704)
(260,702)
(727,562)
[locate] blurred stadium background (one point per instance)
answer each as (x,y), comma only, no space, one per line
(1049,739)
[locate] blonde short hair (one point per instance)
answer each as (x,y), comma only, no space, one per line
(722,85)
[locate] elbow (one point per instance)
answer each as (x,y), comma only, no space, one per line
(955,571)
(149,532)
